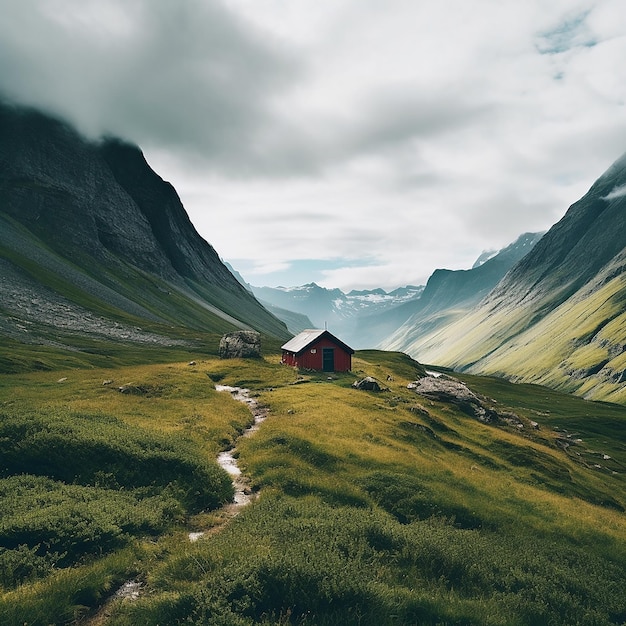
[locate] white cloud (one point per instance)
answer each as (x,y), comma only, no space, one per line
(616,192)
(407,135)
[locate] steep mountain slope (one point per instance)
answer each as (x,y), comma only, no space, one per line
(341,312)
(558,316)
(296,322)
(448,295)
(90,228)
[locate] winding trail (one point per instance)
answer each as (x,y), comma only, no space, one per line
(227,460)
(132,589)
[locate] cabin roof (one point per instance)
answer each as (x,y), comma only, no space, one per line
(304,339)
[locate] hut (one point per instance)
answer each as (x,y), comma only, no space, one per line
(318,350)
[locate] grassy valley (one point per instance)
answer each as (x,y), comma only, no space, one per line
(373,508)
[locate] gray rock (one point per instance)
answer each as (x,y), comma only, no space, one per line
(241,344)
(443,388)
(369,384)
(447,389)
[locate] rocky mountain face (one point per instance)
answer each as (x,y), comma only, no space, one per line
(558,317)
(464,288)
(448,295)
(341,312)
(92,228)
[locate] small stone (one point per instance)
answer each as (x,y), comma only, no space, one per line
(369,384)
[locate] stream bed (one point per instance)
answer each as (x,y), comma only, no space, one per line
(132,589)
(227,459)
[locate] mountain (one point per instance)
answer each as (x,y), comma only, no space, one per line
(92,241)
(558,317)
(448,295)
(371,318)
(295,322)
(340,312)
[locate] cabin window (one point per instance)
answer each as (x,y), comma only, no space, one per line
(313,351)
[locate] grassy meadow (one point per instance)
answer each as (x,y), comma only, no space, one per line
(373,508)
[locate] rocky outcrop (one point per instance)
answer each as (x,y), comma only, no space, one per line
(448,389)
(241,344)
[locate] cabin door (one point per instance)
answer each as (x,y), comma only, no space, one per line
(328,359)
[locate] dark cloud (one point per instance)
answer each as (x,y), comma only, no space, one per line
(187,74)
(190,76)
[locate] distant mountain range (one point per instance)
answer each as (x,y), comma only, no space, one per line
(450,294)
(364,319)
(332,308)
(93,241)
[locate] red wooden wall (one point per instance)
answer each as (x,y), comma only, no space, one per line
(311,357)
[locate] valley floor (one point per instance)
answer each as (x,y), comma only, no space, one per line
(372,508)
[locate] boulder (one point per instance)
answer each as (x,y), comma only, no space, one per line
(448,389)
(443,388)
(241,344)
(369,384)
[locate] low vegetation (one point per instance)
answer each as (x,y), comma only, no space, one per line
(374,508)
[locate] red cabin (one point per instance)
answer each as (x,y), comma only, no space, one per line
(318,350)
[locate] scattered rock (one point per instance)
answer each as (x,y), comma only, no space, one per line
(107,382)
(130,388)
(420,410)
(62,380)
(511,419)
(241,344)
(443,388)
(369,384)
(130,590)
(191,363)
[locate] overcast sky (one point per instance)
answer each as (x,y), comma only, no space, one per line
(356,143)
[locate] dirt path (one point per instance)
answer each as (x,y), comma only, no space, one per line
(132,589)
(228,461)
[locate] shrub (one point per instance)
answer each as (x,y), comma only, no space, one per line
(96,449)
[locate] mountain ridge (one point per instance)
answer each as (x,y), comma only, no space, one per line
(557,317)
(341,312)
(101,232)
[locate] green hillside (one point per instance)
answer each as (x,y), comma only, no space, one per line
(97,249)
(557,317)
(576,347)
(56,312)
(385,508)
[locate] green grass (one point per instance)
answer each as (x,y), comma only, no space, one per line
(88,473)
(575,347)
(190,316)
(374,508)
